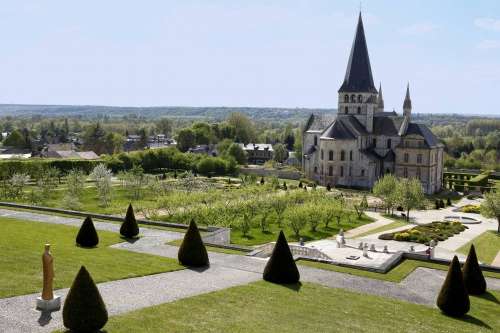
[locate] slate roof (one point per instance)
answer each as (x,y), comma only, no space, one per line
(386,125)
(344,128)
(358,76)
(420,129)
(318,122)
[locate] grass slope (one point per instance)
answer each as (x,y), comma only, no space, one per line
(22,247)
(266,307)
(487,246)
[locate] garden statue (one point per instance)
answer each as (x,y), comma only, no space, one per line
(412,249)
(386,250)
(432,247)
(372,248)
(340,239)
(48,302)
(360,246)
(365,250)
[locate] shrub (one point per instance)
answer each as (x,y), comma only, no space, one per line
(437,204)
(300,184)
(284,186)
(84,310)
(281,267)
(476,209)
(453,299)
(262,181)
(129,228)
(192,251)
(441,203)
(473,276)
(448,201)
(328,187)
(87,235)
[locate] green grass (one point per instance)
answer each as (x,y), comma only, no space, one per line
(383,228)
(266,307)
(22,246)
(178,242)
(257,237)
(487,246)
(397,274)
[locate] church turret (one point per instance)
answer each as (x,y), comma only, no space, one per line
(380,99)
(407,103)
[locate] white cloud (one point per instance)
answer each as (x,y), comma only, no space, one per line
(489,44)
(487,23)
(418,29)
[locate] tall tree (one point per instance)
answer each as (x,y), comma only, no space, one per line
(185,139)
(410,194)
(243,127)
(384,189)
(280,152)
(490,207)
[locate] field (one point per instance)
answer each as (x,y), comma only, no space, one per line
(20,268)
(266,307)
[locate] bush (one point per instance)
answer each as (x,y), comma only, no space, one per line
(87,235)
(453,299)
(476,209)
(473,276)
(281,267)
(448,201)
(300,184)
(192,251)
(129,228)
(84,310)
(212,166)
(437,204)
(441,203)
(328,187)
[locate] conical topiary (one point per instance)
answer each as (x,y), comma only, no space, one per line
(87,235)
(281,267)
(453,298)
(192,251)
(473,276)
(84,310)
(129,228)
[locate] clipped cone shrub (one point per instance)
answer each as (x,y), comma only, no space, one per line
(192,251)
(84,310)
(129,228)
(473,276)
(281,267)
(87,235)
(453,298)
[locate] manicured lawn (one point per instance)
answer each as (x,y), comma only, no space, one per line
(397,274)
(266,307)
(22,245)
(178,242)
(386,227)
(256,236)
(487,246)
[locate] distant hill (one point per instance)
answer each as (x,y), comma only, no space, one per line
(213,113)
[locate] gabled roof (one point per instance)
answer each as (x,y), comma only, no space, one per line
(358,76)
(318,123)
(344,128)
(420,129)
(386,124)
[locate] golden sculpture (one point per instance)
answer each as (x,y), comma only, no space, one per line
(48,274)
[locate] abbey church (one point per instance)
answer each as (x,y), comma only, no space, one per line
(363,142)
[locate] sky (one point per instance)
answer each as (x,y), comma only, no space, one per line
(286,53)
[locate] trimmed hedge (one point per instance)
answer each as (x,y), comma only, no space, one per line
(87,235)
(281,267)
(192,251)
(33,166)
(473,276)
(129,227)
(84,310)
(453,299)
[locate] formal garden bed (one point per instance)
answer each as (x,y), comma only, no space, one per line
(423,234)
(475,209)
(21,252)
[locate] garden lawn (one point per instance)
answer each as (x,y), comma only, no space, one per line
(383,228)
(267,307)
(256,236)
(22,247)
(487,246)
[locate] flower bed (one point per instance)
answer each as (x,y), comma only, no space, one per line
(476,209)
(423,234)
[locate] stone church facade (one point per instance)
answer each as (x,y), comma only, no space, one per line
(363,142)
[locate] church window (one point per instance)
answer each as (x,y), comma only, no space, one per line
(405,172)
(362,172)
(353,98)
(406,157)
(315,140)
(346,99)
(419,158)
(315,169)
(346,110)
(374,142)
(389,143)
(330,171)
(342,155)
(359,109)
(330,155)
(350,171)
(341,171)
(321,153)
(360,98)
(350,155)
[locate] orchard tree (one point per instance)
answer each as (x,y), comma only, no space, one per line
(385,189)
(410,194)
(490,207)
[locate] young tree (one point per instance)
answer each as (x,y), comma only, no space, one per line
(17,183)
(490,207)
(185,139)
(361,207)
(296,218)
(237,153)
(279,204)
(385,189)
(75,180)
(102,177)
(409,194)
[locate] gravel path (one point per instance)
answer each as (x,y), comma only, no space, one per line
(18,314)
(380,221)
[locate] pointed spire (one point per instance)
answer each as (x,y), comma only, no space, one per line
(358,76)
(380,100)
(407,102)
